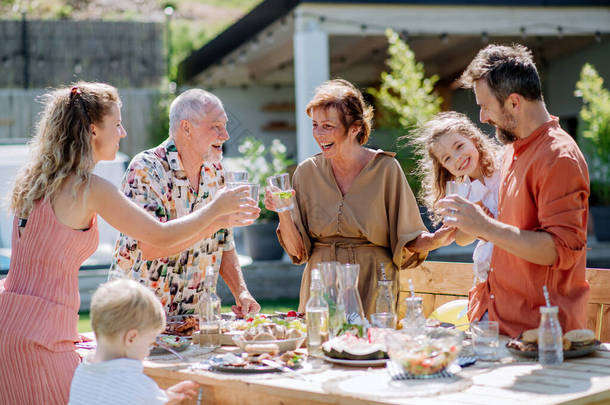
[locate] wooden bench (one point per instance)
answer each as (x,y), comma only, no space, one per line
(441,282)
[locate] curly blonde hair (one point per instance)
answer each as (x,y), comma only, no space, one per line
(348,101)
(61,146)
(434,176)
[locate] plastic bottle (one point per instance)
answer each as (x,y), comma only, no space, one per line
(316,314)
(209,312)
(550,348)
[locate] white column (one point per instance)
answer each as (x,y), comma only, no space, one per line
(311,68)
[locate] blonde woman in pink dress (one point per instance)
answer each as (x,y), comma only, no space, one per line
(56,200)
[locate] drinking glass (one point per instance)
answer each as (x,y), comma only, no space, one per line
(252,189)
(453,187)
(281,191)
(238,176)
(485,339)
(383,320)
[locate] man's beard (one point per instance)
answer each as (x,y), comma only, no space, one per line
(505,136)
(505,133)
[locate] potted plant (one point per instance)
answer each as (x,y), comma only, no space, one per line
(260,161)
(594,131)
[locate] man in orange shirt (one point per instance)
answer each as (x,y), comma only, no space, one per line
(540,233)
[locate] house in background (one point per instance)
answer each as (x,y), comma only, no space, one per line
(266,65)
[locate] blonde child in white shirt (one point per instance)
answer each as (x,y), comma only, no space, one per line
(451,147)
(126,318)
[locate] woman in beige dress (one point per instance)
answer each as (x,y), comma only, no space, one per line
(352,204)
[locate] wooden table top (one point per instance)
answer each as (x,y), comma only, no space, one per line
(512,380)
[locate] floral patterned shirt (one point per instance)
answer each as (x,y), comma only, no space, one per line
(156,181)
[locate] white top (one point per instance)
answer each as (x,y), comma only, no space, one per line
(118,381)
(485,192)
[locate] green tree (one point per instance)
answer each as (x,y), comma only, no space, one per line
(594,129)
(405,98)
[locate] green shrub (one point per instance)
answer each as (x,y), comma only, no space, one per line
(405,99)
(594,131)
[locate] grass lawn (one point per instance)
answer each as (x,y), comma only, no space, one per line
(267,307)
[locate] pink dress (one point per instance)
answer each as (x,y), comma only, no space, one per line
(39,303)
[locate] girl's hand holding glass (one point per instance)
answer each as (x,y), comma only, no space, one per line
(454,187)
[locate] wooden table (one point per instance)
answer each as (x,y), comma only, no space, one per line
(584,380)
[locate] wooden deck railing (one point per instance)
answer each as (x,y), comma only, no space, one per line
(441,282)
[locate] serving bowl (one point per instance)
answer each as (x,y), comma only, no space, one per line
(426,352)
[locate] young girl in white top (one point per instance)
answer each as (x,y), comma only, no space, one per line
(126,318)
(451,147)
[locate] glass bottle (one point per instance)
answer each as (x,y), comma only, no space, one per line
(209,311)
(328,271)
(316,315)
(550,348)
(414,320)
(385,313)
(349,298)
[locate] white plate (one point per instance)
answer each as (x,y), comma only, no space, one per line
(357,363)
(226,338)
(283,345)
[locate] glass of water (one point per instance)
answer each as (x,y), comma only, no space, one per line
(485,339)
(454,187)
(238,176)
(386,320)
(281,191)
(252,189)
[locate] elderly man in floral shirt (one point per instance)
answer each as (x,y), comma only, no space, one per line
(170,181)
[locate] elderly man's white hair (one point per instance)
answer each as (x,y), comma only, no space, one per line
(190,105)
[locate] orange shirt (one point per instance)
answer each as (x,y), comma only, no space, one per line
(544,187)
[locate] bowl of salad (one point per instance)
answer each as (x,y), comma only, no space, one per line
(428,352)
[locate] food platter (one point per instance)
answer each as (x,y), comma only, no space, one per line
(250,369)
(567,354)
(226,338)
(177,343)
(283,344)
(357,363)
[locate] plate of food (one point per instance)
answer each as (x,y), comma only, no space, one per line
(177,343)
(286,334)
(576,343)
(181,325)
(357,363)
(353,349)
(260,359)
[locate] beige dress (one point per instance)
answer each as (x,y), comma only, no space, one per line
(368,225)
